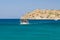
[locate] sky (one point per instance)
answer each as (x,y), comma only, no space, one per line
(14,9)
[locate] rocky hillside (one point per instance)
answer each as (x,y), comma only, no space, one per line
(42,14)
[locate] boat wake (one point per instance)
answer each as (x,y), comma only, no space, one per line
(24,23)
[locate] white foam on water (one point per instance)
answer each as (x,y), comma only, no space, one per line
(56,19)
(24,23)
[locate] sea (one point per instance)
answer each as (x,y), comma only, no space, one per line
(11,29)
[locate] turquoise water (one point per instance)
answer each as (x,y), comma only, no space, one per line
(30,32)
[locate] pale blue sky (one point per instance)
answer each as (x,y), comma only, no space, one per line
(16,8)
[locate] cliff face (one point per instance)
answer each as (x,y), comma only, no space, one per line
(42,14)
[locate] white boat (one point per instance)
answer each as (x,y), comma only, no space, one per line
(24,22)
